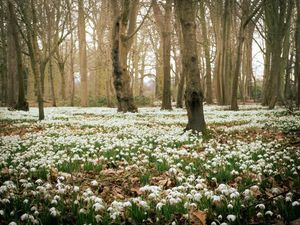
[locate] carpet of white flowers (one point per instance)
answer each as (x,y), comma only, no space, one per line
(97,166)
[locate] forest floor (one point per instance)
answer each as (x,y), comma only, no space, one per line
(94,165)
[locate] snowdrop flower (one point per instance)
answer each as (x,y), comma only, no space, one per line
(82,211)
(230,206)
(54,202)
(295,203)
(269,213)
(54,212)
(213,223)
(259,215)
(24,217)
(76,189)
(98,218)
(231,218)
(1,212)
(260,206)
(97,206)
(12,223)
(94,183)
(159,206)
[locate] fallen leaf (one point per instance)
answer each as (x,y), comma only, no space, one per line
(199,217)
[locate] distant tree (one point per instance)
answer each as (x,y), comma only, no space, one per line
(206,46)
(124,23)
(21,104)
(277,17)
(193,93)
(297,61)
(82,54)
(163,21)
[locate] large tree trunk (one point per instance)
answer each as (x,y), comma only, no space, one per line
(297,61)
(193,92)
(12,69)
(82,54)
(22,104)
(277,20)
(123,25)
(208,95)
(3,56)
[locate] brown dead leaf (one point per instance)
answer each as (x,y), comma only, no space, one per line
(53,174)
(199,217)
(5,172)
(108,172)
(165,183)
(136,190)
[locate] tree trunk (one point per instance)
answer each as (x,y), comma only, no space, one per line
(123,25)
(179,102)
(3,57)
(12,69)
(208,95)
(297,61)
(193,92)
(50,70)
(82,54)
(164,25)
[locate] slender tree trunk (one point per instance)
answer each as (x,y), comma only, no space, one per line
(164,25)
(3,57)
(193,92)
(179,102)
(82,54)
(297,60)
(50,71)
(123,25)
(234,105)
(12,69)
(61,68)
(208,95)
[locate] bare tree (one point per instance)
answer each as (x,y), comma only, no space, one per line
(124,23)
(193,92)
(163,21)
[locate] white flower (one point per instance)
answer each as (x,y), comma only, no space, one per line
(269,213)
(159,205)
(213,223)
(54,212)
(1,212)
(230,206)
(94,183)
(295,203)
(259,215)
(98,218)
(260,206)
(82,210)
(24,217)
(97,207)
(231,218)
(12,223)
(76,189)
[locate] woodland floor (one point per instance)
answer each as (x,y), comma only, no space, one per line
(93,165)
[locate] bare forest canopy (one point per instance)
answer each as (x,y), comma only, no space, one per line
(132,53)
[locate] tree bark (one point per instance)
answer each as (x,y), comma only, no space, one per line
(297,60)
(123,25)
(82,54)
(193,92)
(208,95)
(164,25)
(22,104)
